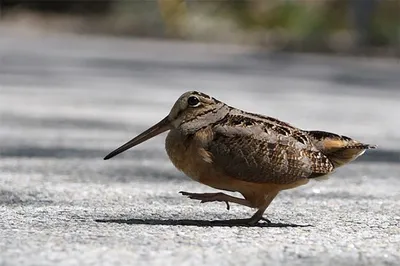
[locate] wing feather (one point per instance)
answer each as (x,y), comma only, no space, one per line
(256,155)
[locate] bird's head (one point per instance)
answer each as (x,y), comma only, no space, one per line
(192,111)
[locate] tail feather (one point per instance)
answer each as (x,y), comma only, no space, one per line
(339,149)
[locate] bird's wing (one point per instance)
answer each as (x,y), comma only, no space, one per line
(257,155)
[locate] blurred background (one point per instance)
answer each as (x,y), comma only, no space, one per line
(329,26)
(80,78)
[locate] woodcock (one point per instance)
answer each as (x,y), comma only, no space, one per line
(255,155)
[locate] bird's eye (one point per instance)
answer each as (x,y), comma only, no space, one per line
(193,101)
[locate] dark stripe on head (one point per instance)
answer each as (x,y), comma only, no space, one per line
(206,96)
(199,115)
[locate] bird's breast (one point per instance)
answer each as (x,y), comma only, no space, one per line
(186,154)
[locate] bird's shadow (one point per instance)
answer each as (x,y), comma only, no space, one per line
(198,223)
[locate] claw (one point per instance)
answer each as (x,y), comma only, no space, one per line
(254,221)
(265,220)
(227,206)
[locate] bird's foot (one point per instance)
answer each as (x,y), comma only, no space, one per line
(208,197)
(265,220)
(257,217)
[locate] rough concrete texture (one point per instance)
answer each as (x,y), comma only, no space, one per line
(66,101)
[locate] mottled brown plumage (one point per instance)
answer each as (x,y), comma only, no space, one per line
(233,150)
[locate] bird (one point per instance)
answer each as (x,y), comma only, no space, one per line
(232,150)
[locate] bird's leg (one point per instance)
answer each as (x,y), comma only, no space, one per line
(253,220)
(222,197)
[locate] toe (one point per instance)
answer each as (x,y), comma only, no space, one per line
(265,220)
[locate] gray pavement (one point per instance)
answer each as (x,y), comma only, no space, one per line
(66,101)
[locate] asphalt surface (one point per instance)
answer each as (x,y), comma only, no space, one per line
(66,101)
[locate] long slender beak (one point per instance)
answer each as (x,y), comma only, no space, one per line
(158,128)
